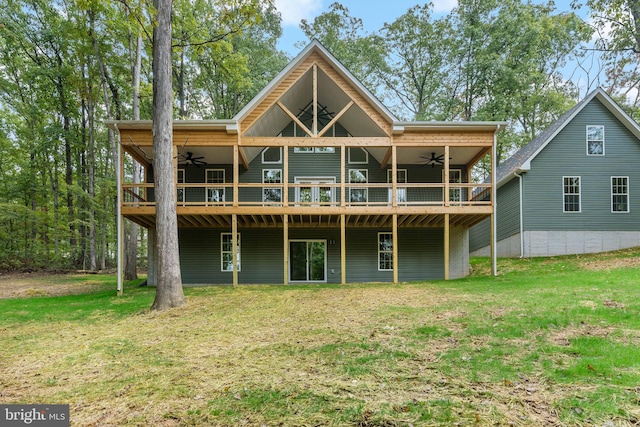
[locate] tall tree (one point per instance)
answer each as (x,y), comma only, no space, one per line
(169,291)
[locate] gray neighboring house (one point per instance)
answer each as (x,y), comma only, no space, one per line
(574,189)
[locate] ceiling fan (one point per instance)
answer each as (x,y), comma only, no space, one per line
(189,159)
(433,160)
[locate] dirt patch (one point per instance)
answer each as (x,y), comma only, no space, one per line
(23,285)
(611,263)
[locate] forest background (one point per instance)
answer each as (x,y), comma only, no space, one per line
(67,66)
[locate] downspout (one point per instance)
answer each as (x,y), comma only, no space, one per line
(521,215)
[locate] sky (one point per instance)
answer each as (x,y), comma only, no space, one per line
(374,14)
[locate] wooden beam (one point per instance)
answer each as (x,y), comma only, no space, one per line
(395,248)
(295,119)
(446,246)
(285,237)
(314,131)
(335,119)
(343,249)
(385,160)
(277,141)
(243,158)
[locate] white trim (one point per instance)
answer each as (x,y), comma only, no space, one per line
(587,140)
(222,252)
(279,162)
(625,194)
(206,181)
(366,154)
(378,252)
(365,172)
(579,194)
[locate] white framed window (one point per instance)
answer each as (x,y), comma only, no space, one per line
(385,251)
(214,194)
(620,194)
(314,150)
(272,194)
(272,155)
(226,252)
(595,140)
(316,191)
(571,194)
(358,176)
(401,178)
(181,189)
(455,177)
(358,156)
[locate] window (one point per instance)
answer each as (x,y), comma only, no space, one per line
(180,188)
(272,155)
(214,194)
(571,193)
(358,176)
(314,150)
(455,177)
(401,192)
(358,156)
(595,140)
(272,194)
(619,194)
(226,252)
(385,251)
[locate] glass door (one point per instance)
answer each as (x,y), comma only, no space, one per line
(307,260)
(316,194)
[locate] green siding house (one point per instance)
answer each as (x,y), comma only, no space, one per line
(315,181)
(573,189)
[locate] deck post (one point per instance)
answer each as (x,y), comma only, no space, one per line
(395,248)
(447,254)
(119,163)
(343,249)
(285,237)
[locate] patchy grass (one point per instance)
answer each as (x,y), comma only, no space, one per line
(551,341)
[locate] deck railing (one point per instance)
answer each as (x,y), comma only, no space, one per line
(314,195)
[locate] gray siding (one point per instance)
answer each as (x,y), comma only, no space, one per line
(566,156)
(507,217)
(420,255)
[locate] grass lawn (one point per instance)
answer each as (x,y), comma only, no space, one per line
(552,341)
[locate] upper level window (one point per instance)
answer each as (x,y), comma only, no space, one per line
(619,194)
(214,194)
(358,156)
(595,140)
(272,194)
(272,155)
(571,193)
(358,194)
(314,150)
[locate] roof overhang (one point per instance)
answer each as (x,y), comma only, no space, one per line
(400,127)
(230,126)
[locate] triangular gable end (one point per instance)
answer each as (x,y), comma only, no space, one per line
(315,92)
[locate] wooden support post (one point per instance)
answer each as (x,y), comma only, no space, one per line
(119,223)
(285,237)
(285,176)
(236,173)
(447,254)
(394,176)
(343,249)
(446,178)
(343,174)
(234,242)
(395,248)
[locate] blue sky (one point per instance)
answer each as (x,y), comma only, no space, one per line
(374,13)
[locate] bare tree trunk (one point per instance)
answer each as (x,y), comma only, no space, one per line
(169,287)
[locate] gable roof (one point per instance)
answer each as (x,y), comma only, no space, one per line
(315,47)
(520,161)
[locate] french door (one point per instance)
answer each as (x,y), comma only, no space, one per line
(316,193)
(308,260)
